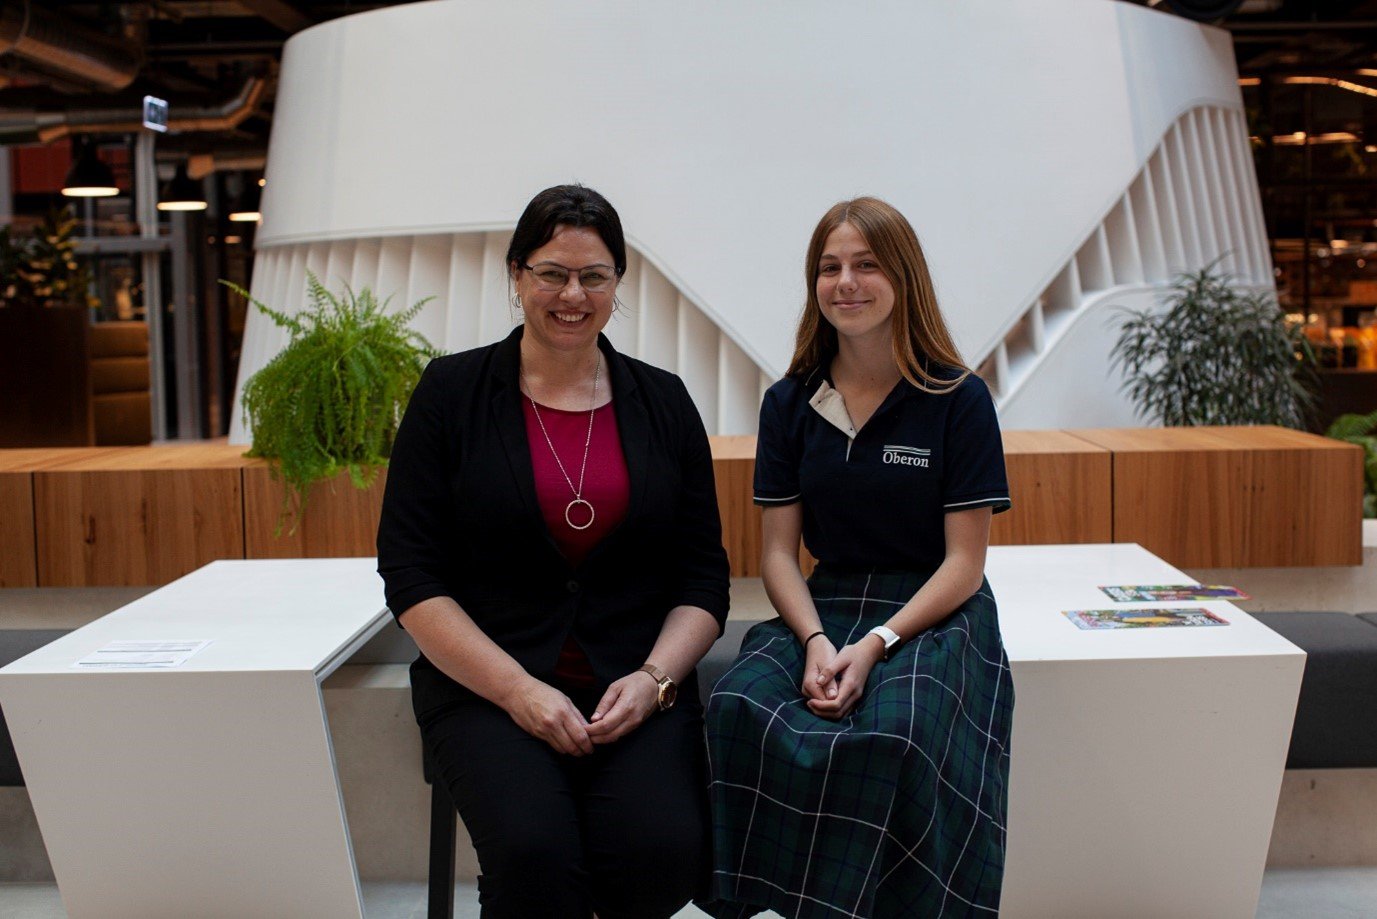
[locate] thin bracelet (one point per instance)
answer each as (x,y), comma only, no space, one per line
(810,638)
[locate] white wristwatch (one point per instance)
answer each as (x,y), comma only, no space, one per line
(890,639)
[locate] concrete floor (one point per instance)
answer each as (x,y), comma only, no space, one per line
(1287,893)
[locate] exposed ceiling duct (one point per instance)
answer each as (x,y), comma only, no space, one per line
(200,165)
(45,127)
(52,42)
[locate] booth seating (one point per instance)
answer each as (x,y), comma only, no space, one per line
(1338,696)
(120,388)
(14,644)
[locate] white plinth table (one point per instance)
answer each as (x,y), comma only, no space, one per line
(208,790)
(1146,762)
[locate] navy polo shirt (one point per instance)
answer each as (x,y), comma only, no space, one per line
(876,497)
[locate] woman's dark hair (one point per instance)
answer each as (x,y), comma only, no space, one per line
(570,206)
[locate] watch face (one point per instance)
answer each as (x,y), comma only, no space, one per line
(668,693)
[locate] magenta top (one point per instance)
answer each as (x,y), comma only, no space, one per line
(606,485)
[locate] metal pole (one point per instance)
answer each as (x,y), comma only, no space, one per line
(6,187)
(146,211)
(186,329)
(1307,262)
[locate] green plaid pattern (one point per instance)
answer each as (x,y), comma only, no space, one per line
(898,809)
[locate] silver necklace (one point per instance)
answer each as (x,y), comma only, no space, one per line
(578,492)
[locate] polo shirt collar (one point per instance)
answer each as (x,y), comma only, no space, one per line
(824,399)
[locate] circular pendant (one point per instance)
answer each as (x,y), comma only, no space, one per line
(568,509)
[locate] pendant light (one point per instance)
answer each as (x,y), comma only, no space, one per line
(181,194)
(246,209)
(88,176)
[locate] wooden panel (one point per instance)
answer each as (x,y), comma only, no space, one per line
(733,466)
(1199,497)
(133,526)
(1168,440)
(45,377)
(340,521)
(18,566)
(1236,497)
(192,456)
(31,459)
(1061,491)
(206,455)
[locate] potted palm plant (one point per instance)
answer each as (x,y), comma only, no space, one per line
(1216,354)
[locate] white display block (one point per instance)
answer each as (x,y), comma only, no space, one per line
(209,789)
(1146,763)
(1145,774)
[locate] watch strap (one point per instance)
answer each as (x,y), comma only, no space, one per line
(656,673)
(888,637)
(669,689)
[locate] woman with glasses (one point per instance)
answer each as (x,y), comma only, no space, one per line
(859,745)
(550,538)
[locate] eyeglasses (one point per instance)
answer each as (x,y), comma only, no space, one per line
(549,276)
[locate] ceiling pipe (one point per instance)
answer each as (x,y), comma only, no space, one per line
(200,165)
(53,42)
(45,127)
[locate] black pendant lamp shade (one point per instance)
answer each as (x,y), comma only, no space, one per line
(246,209)
(88,177)
(181,194)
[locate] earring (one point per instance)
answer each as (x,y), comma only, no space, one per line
(516,302)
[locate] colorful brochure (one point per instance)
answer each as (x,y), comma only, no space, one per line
(1172,593)
(1142,618)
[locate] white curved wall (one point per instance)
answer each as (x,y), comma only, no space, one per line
(465,274)
(1006,131)
(1193,203)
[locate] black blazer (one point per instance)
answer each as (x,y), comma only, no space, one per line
(460,519)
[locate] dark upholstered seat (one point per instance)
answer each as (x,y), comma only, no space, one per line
(14,644)
(720,656)
(1337,711)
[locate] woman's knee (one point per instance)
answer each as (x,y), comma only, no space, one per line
(652,866)
(530,852)
(530,873)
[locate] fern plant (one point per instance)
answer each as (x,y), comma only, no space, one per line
(331,400)
(1361,430)
(1217,354)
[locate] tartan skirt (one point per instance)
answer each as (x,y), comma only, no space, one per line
(897,809)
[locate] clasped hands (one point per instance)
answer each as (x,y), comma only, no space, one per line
(543,711)
(834,680)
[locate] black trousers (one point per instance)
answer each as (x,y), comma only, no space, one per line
(623,831)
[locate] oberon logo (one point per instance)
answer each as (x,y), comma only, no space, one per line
(905,456)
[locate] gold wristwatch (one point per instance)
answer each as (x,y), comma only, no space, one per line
(669,690)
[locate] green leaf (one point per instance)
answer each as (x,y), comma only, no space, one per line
(331,400)
(1213,353)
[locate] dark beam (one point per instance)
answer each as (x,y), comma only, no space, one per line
(1300,27)
(212,30)
(280,13)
